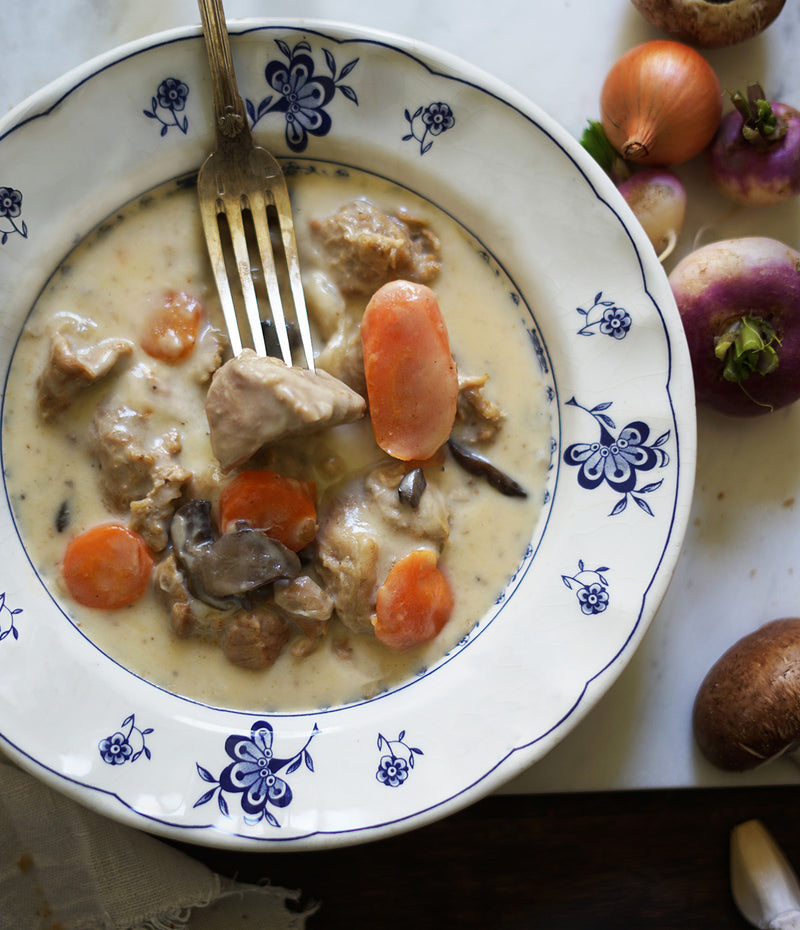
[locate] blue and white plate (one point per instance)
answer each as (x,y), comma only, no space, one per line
(610,347)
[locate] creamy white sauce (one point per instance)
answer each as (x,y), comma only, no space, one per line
(115,279)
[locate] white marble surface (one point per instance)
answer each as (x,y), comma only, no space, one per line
(737,569)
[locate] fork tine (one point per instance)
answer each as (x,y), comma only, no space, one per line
(233,212)
(284,210)
(258,207)
(246,177)
(217,256)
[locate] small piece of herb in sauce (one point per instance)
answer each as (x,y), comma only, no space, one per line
(63,517)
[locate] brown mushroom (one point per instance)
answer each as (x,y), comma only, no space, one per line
(221,570)
(747,710)
(710,23)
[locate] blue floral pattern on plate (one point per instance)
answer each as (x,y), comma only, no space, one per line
(7,626)
(541,356)
(436,118)
(301,94)
(171,99)
(10,209)
(396,761)
(617,460)
(253,774)
(606,317)
(590,586)
(120,747)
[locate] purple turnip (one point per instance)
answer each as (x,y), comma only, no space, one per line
(754,158)
(739,301)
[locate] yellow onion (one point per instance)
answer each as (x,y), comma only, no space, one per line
(661,103)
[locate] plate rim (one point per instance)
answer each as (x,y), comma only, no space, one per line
(31,109)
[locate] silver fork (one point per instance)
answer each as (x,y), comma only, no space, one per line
(237,179)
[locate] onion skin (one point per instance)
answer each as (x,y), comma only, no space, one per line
(722,282)
(660,104)
(756,176)
(747,709)
(710,23)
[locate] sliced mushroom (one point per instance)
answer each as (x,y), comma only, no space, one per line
(475,464)
(412,487)
(243,561)
(192,529)
(223,570)
(747,710)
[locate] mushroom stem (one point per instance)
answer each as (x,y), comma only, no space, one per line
(764,885)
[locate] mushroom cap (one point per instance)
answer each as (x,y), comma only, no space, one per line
(710,23)
(747,709)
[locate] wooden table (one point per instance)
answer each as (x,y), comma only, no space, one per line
(616,860)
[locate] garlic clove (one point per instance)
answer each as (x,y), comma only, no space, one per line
(765,887)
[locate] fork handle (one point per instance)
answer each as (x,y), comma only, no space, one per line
(228,106)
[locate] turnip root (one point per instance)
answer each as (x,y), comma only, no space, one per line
(747,710)
(754,158)
(658,199)
(739,301)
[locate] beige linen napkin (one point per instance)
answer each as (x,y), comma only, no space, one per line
(63,866)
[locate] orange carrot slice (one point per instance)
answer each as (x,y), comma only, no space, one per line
(172,329)
(107,566)
(282,507)
(414,602)
(412,383)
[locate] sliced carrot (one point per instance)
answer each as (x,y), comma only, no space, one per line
(414,602)
(412,383)
(107,566)
(172,329)
(283,507)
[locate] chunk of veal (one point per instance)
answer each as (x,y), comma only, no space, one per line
(69,371)
(366,247)
(138,469)
(255,400)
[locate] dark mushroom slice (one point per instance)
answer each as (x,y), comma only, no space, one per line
(63,516)
(243,561)
(192,534)
(223,570)
(476,464)
(412,487)
(191,529)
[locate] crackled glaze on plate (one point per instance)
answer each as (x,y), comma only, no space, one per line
(592,298)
